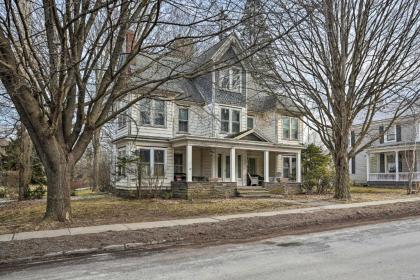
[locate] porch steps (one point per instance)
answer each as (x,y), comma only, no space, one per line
(252,192)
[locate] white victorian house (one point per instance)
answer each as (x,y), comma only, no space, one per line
(217,128)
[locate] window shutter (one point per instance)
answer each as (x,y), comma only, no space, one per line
(382,163)
(398,128)
(381,132)
(353,138)
(353,165)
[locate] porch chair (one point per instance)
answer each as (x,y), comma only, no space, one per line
(254,180)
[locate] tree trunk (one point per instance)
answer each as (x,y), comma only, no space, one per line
(342,178)
(58,171)
(25,163)
(96,154)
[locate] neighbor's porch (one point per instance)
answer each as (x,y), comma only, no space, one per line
(393,166)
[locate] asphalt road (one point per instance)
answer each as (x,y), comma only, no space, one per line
(384,251)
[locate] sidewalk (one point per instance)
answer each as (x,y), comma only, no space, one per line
(190,221)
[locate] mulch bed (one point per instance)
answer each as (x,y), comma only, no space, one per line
(238,230)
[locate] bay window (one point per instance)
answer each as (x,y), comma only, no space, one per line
(290,128)
(152,112)
(152,162)
(230,120)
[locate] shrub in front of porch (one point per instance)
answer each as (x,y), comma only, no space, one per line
(318,176)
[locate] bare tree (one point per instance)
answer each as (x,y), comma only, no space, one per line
(24,162)
(50,50)
(348,60)
(411,145)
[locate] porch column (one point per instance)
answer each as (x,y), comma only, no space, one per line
(367,166)
(298,169)
(266,166)
(397,174)
(232,165)
(189,163)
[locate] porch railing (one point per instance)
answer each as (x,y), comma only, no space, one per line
(381,177)
(403,176)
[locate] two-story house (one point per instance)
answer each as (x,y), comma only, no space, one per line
(217,128)
(392,158)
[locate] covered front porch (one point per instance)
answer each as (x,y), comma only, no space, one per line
(239,162)
(393,166)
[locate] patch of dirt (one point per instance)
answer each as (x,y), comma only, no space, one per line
(231,231)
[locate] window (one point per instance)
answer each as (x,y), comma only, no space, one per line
(250,123)
(230,79)
(391,134)
(159,163)
(289,167)
(159,112)
(178,163)
(122,117)
(230,120)
(225,120)
(145,111)
(145,162)
(418,131)
(183,120)
(290,128)
(152,112)
(286,127)
(236,121)
(121,158)
(152,162)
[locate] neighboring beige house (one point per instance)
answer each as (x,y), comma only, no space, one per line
(217,128)
(390,160)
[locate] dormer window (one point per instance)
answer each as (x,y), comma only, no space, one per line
(231,79)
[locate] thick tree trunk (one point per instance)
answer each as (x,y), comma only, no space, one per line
(58,170)
(25,163)
(342,178)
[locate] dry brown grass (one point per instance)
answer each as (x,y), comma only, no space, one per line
(27,216)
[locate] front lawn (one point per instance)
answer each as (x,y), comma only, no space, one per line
(27,215)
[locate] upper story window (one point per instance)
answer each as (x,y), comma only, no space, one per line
(230,120)
(250,122)
(122,117)
(391,134)
(231,79)
(183,120)
(290,128)
(152,112)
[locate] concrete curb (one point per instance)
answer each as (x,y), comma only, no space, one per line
(189,221)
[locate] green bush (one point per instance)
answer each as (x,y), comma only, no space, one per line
(317,174)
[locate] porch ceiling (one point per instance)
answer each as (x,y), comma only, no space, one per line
(228,143)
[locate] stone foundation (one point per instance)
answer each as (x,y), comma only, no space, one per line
(132,193)
(285,188)
(197,190)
